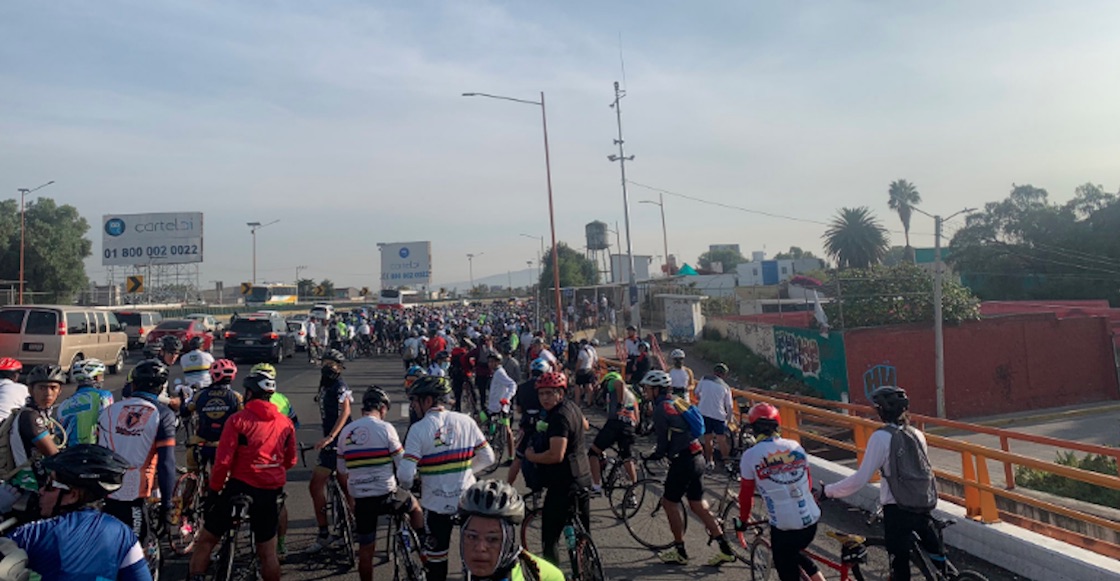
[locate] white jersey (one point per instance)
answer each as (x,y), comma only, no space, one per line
(12,395)
(436,371)
(715,398)
(876,457)
(135,428)
(443,448)
(679,377)
(780,470)
(501,387)
(196,367)
(368,451)
(587,358)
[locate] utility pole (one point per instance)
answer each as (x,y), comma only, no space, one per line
(299,269)
(22,228)
(621,158)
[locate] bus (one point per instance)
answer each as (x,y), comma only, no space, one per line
(391,298)
(272,294)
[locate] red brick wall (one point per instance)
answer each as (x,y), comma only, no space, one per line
(993,366)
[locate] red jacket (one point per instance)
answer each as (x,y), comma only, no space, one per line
(435,345)
(258,446)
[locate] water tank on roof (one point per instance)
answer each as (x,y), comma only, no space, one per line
(597,236)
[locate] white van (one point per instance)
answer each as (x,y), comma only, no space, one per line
(62,335)
(322,311)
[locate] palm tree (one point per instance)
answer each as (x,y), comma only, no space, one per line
(855,238)
(903,196)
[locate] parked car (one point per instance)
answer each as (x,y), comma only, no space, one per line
(140,323)
(184,329)
(298,330)
(212,324)
(62,335)
(259,337)
(322,311)
(299,317)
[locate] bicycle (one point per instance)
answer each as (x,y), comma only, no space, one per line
(469,405)
(153,552)
(494,428)
(186,504)
(405,548)
(740,437)
(616,480)
(340,520)
(582,553)
(240,565)
(646,521)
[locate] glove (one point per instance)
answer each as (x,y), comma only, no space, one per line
(739,525)
(818,493)
(482,416)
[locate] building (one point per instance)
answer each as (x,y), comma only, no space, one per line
(767,272)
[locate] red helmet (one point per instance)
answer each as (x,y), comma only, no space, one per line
(223,371)
(10,364)
(552,380)
(763,411)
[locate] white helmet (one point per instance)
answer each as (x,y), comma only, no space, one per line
(89,370)
(657,378)
(676,354)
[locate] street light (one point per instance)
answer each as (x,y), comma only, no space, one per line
(22,227)
(622,158)
(664,230)
(938,326)
(551,211)
(253,227)
(470,260)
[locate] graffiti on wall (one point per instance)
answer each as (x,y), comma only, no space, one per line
(801,353)
(681,319)
(816,359)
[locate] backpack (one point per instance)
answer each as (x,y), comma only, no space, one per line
(8,466)
(911,479)
(691,414)
(411,349)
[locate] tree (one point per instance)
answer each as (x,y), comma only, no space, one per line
(883,295)
(795,253)
(727,257)
(305,287)
(575,269)
(903,197)
(855,238)
(328,287)
(54,249)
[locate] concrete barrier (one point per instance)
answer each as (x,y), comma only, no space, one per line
(1020,551)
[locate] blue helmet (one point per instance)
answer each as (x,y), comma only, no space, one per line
(415,371)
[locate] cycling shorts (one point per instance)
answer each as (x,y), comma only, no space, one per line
(714,426)
(585,377)
(685,478)
(368,509)
(264,513)
(328,458)
(617,433)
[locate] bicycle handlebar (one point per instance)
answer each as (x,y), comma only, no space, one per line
(304,448)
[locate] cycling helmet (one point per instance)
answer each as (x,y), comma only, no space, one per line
(334,355)
(658,379)
(552,380)
(94,468)
(223,371)
(538,341)
(677,354)
(494,355)
(46,374)
(374,398)
(494,499)
(170,344)
(194,344)
(763,418)
(890,401)
(88,371)
(540,366)
(443,355)
(259,383)
(263,369)
(720,369)
(415,371)
(594,342)
(430,385)
(10,364)
(643,346)
(149,375)
(631,328)
(505,348)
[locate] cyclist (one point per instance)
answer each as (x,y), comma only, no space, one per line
(639,365)
(558,453)
(214,405)
(410,349)
(684,382)
(13,394)
(622,419)
(444,447)
(529,408)
(587,358)
(196,369)
(779,469)
(368,451)
(509,361)
(686,471)
(334,399)
(33,436)
(480,357)
(168,353)
(75,540)
(441,364)
(78,413)
(142,430)
(899,524)
(284,406)
(714,400)
(502,390)
(257,449)
(489,543)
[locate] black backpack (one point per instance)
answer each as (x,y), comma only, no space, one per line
(911,480)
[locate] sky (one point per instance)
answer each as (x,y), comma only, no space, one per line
(344,120)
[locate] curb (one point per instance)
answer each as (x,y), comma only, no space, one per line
(1047,416)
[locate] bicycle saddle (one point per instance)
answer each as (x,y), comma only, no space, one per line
(846,539)
(941,524)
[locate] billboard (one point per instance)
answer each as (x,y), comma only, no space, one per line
(141,239)
(406,264)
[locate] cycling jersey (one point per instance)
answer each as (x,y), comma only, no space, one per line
(330,398)
(30,426)
(368,450)
(136,428)
(285,407)
(543,570)
(79,413)
(442,447)
(627,410)
(262,441)
(674,436)
(714,397)
(501,388)
(196,367)
(214,406)
(82,545)
(13,395)
(779,469)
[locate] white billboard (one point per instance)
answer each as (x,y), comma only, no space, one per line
(139,239)
(406,264)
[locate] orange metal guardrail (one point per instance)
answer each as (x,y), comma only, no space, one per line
(979,494)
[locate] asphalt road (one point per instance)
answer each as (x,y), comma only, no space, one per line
(622,556)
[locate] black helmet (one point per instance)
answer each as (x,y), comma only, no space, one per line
(505,348)
(149,375)
(259,383)
(374,398)
(89,466)
(46,374)
(334,355)
(430,385)
(194,344)
(170,344)
(890,401)
(492,498)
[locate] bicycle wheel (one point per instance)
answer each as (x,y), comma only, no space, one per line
(498,446)
(969,576)
(761,560)
(616,485)
(343,525)
(648,523)
(408,565)
(185,526)
(585,564)
(531,531)
(226,556)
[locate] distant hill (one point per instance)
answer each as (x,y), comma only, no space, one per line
(519,278)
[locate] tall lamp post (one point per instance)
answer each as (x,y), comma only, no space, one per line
(22,227)
(938,324)
(664,231)
(253,227)
(551,211)
(470,264)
